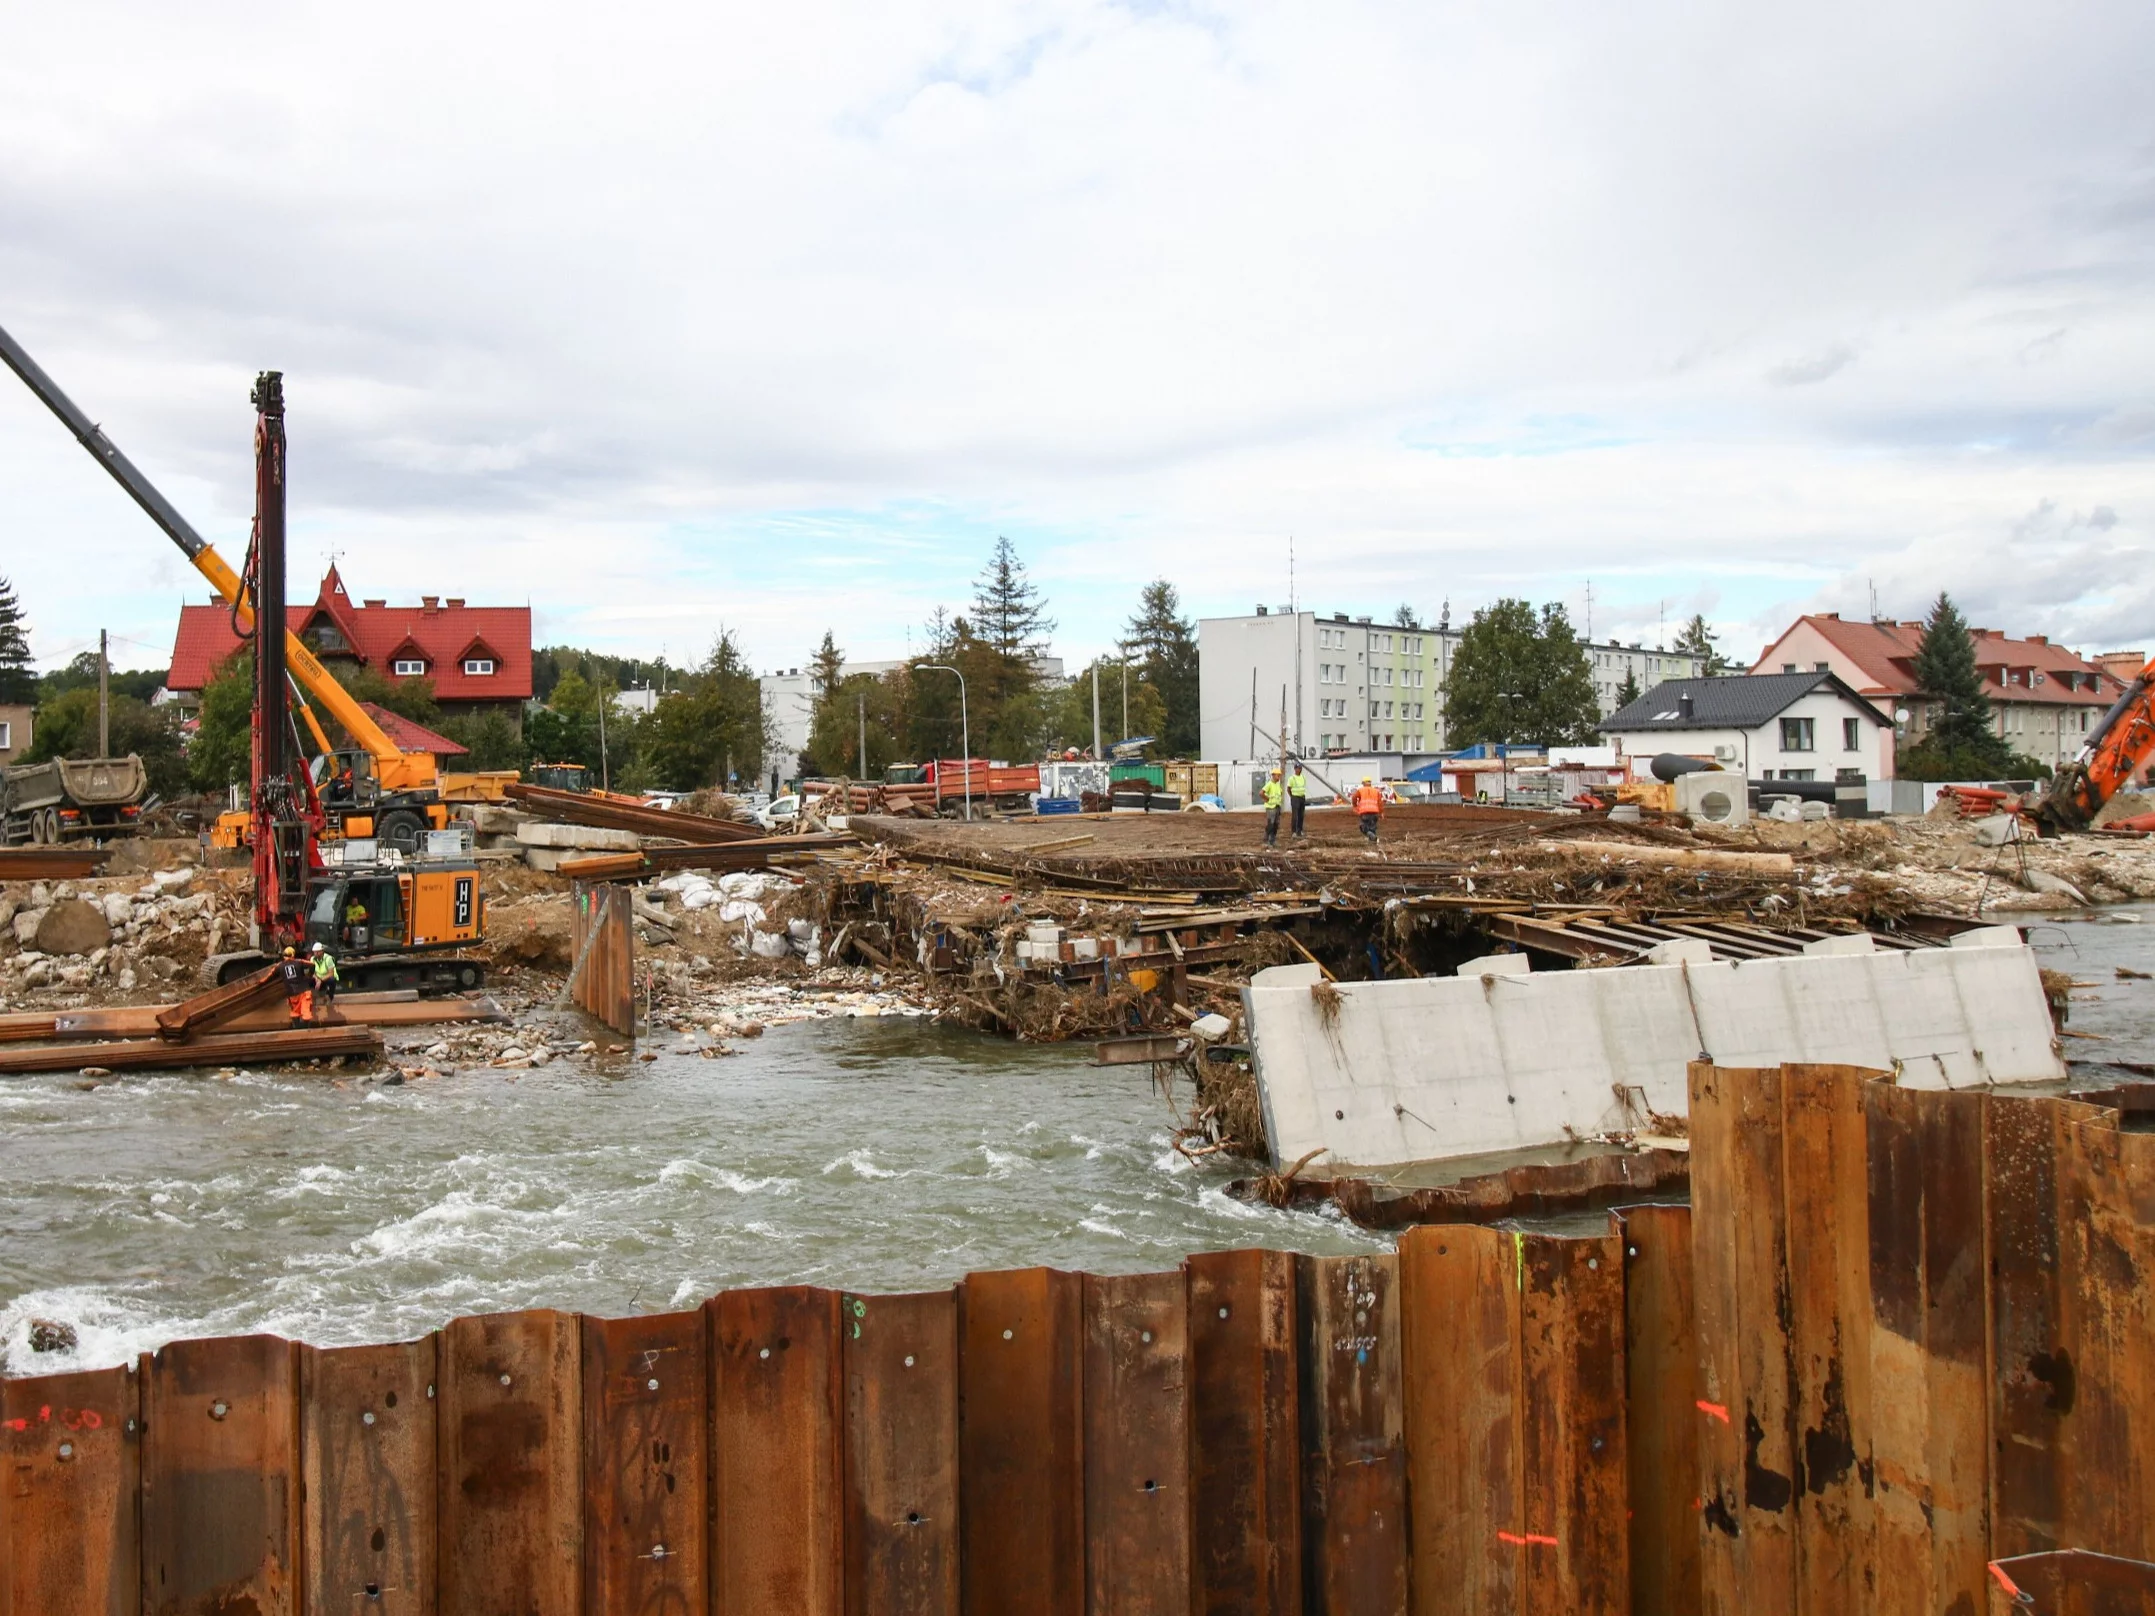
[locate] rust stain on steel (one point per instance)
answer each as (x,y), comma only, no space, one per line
(367,1445)
(1354,1460)
(1020,1443)
(1572,1435)
(2107,1200)
(646,1409)
(509,1510)
(70,1469)
(1830,1335)
(1661,1407)
(220,1475)
(1930,1404)
(1137,1446)
(1245,1441)
(209,1049)
(1530,1191)
(603,944)
(218,1005)
(2072,1582)
(1459,1324)
(901,1454)
(776,1432)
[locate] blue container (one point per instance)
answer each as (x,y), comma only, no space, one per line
(1058,805)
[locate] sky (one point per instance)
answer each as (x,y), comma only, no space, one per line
(770,319)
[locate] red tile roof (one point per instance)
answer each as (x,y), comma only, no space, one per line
(409,735)
(439,632)
(1884,653)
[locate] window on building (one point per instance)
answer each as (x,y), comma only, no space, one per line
(1788,667)
(407,667)
(1851,734)
(1796,735)
(1821,667)
(479,667)
(7,735)
(1796,774)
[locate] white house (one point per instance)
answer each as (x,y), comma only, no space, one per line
(1772,726)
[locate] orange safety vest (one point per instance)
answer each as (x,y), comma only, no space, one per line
(1368,800)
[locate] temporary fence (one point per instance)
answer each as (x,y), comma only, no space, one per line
(602,980)
(1899,1336)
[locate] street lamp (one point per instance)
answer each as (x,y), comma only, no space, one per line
(965,723)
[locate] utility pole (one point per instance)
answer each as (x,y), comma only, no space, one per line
(605,776)
(1097,754)
(862,697)
(104,696)
(1125,681)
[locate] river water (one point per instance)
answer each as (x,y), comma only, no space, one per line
(876,1154)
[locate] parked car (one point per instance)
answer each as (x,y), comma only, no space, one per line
(780,814)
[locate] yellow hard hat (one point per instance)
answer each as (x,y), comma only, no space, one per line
(1367,781)
(1275,774)
(288,951)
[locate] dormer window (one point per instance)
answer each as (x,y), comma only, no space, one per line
(479,667)
(408,667)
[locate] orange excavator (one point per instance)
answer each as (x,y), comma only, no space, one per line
(2117,749)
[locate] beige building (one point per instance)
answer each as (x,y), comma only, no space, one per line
(14,731)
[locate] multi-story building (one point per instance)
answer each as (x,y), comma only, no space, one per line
(790,696)
(1344,684)
(1644,666)
(15,720)
(2043,698)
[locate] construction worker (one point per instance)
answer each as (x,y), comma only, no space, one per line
(326,980)
(1272,795)
(1297,798)
(298,982)
(355,924)
(1368,808)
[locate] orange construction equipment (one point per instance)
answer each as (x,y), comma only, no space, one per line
(2118,748)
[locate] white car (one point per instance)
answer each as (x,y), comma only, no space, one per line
(779,814)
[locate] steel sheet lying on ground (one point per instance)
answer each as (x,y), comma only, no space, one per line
(51,863)
(399,1008)
(607,813)
(211,1049)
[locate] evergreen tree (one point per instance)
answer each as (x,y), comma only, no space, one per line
(1162,644)
(1008,613)
(1520,677)
(1961,742)
(18,674)
(1629,691)
(1406,617)
(1697,639)
(1008,629)
(714,720)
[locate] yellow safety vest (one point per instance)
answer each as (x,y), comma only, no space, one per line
(1272,793)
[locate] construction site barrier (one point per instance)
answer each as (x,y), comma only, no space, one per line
(602,940)
(1897,1337)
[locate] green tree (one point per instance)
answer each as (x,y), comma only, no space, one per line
(1406,617)
(1629,691)
(492,741)
(1148,708)
(407,698)
(1520,677)
(66,727)
(81,674)
(834,738)
(997,649)
(714,720)
(221,753)
(1696,638)
(18,674)
(1961,742)
(1163,645)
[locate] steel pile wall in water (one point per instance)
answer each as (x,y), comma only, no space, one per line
(602,979)
(1901,1334)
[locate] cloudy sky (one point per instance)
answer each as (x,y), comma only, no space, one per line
(772,317)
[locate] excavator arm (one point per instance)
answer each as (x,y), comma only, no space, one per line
(397,770)
(2117,749)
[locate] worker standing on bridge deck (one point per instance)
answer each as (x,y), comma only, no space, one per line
(1297,798)
(1368,808)
(1272,809)
(298,979)
(326,981)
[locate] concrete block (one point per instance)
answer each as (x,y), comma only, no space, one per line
(1043,931)
(1855,942)
(490,820)
(1085,948)
(1681,951)
(579,838)
(1497,965)
(1987,937)
(549,859)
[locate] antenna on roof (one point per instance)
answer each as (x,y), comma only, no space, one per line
(1590,610)
(1873,582)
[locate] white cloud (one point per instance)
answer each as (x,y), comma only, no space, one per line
(776,315)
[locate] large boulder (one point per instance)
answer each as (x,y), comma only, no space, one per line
(72,926)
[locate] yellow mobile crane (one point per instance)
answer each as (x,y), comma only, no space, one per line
(374,788)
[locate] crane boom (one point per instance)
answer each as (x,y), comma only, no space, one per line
(397,769)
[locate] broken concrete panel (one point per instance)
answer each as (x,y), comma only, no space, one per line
(1855,942)
(1681,951)
(548,859)
(1987,937)
(1497,965)
(1392,1072)
(578,838)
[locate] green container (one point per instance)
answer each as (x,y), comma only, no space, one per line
(1153,773)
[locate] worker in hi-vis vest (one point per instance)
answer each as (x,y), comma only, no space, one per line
(1297,799)
(1368,808)
(1272,796)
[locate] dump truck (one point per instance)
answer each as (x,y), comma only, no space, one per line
(70,799)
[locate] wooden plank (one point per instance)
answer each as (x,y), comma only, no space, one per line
(901,1454)
(1827,1200)
(367,1448)
(70,1470)
(2032,1379)
(509,1510)
(646,1409)
(2107,1203)
(1572,1453)
(1021,1443)
(779,1540)
(1137,1446)
(1354,1459)
(1661,1410)
(1245,1443)
(1459,1341)
(220,1478)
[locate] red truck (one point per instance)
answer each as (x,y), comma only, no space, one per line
(988,784)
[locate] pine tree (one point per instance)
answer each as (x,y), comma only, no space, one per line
(1008,613)
(827,668)
(1009,629)
(1162,644)
(1697,639)
(18,673)
(1629,691)
(1961,743)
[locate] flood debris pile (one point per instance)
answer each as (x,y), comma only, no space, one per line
(109,937)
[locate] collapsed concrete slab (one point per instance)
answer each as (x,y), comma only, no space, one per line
(1375,1074)
(578,838)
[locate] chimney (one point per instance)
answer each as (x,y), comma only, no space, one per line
(2038,639)
(430,603)
(1683,705)
(374,603)
(456,603)
(1264,611)
(1836,616)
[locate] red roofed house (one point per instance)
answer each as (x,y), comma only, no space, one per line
(2044,699)
(479,657)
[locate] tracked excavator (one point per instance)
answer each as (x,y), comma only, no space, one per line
(2117,748)
(393,915)
(375,788)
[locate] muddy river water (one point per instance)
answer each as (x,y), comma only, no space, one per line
(876,1154)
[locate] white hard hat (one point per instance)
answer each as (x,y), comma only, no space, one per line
(317,948)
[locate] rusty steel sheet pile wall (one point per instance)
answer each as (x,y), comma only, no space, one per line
(1900,1336)
(602,980)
